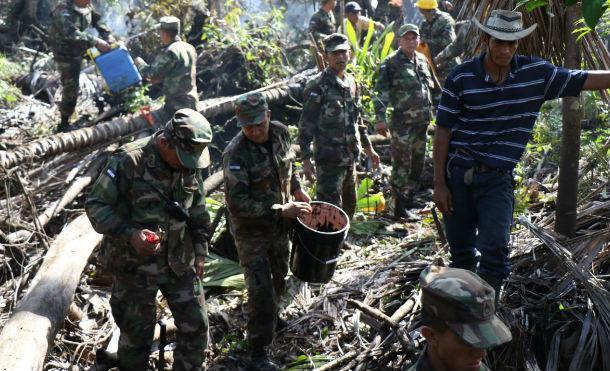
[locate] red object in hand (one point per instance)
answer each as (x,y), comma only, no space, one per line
(152,238)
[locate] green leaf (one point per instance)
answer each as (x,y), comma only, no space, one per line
(367,42)
(535,4)
(365,186)
(351,35)
(366,228)
(223,273)
(387,44)
(592,10)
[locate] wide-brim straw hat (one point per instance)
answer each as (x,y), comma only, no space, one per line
(505,25)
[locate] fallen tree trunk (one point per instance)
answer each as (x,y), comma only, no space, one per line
(112,130)
(28,334)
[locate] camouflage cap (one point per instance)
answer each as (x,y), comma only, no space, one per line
(334,42)
(408,27)
(251,109)
(465,302)
(170,23)
(190,132)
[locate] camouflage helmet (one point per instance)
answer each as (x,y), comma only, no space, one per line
(334,42)
(170,23)
(465,302)
(190,132)
(251,109)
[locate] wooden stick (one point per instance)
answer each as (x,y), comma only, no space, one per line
(336,363)
(375,313)
(403,311)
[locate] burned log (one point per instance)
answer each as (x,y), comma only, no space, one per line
(111,131)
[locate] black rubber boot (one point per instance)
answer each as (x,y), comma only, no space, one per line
(259,361)
(104,361)
(280,325)
(400,207)
(64,125)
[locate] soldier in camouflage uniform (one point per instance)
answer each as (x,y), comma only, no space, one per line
(68,41)
(459,321)
(154,186)
(259,182)
(330,118)
(437,31)
(200,16)
(323,23)
(388,11)
(457,46)
(174,67)
(405,83)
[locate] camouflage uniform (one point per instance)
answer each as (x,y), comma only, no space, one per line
(330,119)
(464,302)
(321,24)
(258,179)
(69,41)
(438,34)
(127,198)
(456,48)
(175,67)
(406,85)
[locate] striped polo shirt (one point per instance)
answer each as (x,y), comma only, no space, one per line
(491,124)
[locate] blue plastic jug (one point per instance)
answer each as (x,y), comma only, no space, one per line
(118,70)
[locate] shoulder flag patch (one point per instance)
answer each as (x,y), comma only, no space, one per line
(110,173)
(313,94)
(234,167)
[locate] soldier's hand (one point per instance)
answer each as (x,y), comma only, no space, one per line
(139,62)
(102,45)
(442,198)
(382,128)
(295,209)
(199,265)
(302,196)
(309,171)
(139,243)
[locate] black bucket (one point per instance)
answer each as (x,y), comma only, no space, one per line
(317,242)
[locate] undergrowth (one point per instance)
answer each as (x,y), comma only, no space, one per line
(9,93)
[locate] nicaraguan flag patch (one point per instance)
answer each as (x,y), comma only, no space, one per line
(234,167)
(111,173)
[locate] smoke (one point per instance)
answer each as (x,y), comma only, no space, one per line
(296,16)
(118,16)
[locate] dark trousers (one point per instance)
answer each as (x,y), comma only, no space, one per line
(481,221)
(134,309)
(265,263)
(337,185)
(69,73)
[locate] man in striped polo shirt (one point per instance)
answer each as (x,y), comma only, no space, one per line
(485,118)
